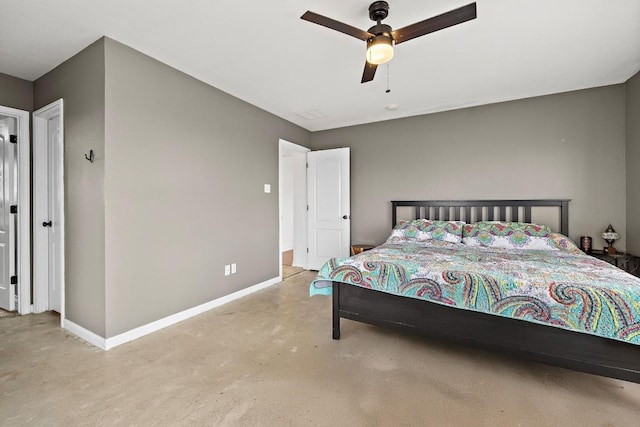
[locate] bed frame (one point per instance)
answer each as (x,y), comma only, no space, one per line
(540,343)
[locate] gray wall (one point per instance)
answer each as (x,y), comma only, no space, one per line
(80,81)
(16,93)
(570,145)
(633,163)
(184,175)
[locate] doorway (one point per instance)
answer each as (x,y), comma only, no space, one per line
(293,207)
(314,205)
(15,237)
(8,197)
(48,209)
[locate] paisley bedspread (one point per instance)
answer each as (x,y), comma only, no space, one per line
(562,289)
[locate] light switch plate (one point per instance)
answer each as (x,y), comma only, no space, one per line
(233,268)
(267,188)
(227,270)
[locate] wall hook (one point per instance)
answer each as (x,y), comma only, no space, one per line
(90,156)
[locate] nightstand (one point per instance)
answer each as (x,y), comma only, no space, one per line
(358,249)
(627,262)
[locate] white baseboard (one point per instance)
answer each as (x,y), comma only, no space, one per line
(85,334)
(109,343)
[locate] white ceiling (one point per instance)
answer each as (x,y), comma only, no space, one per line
(261,52)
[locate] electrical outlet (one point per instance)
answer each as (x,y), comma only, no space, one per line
(233,268)
(227,270)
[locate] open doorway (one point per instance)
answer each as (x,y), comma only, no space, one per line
(293,208)
(15,237)
(314,196)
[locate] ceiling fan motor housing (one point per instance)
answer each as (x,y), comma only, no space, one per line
(378,10)
(380,29)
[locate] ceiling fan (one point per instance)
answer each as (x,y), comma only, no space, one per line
(381,38)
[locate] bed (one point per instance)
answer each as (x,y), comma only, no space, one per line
(611,351)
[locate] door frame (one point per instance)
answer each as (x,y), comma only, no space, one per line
(301,176)
(23,264)
(41,208)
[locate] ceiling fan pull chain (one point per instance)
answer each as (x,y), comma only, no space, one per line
(388,90)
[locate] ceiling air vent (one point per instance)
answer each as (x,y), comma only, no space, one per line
(312,115)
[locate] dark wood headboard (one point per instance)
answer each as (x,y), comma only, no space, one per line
(481,210)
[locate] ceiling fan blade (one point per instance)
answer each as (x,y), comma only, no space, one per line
(369,72)
(336,25)
(440,22)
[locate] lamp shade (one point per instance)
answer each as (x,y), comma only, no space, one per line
(610,235)
(379,49)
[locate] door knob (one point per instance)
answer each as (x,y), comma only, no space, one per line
(46,224)
(345,217)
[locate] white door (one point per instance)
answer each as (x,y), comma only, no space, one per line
(328,192)
(48,209)
(8,193)
(55,213)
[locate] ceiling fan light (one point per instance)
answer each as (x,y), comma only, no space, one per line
(379,49)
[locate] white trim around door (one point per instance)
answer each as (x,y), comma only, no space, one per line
(23,264)
(41,201)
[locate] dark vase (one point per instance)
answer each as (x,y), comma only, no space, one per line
(585,244)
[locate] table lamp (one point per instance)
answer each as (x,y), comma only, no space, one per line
(610,236)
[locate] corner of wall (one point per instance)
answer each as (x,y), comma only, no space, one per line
(16,92)
(80,82)
(632,159)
